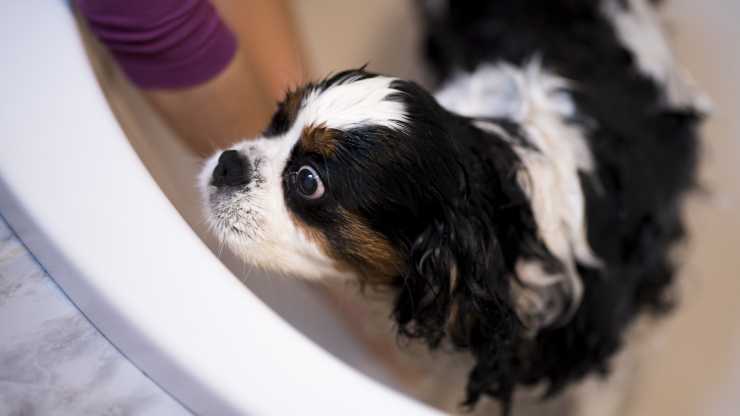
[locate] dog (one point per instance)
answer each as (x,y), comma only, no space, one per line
(522,216)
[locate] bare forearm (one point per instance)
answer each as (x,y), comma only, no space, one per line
(269,38)
(238,103)
(229,107)
(213,71)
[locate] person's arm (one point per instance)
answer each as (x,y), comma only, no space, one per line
(193,68)
(231,106)
(269,38)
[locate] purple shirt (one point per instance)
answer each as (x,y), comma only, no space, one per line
(162,43)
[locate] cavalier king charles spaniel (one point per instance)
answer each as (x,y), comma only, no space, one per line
(522,215)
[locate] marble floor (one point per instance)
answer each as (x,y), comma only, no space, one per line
(52,360)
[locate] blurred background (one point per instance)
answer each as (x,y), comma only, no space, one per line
(695,365)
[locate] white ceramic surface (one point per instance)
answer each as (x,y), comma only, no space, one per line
(81,200)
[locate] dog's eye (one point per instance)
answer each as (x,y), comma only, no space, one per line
(308,183)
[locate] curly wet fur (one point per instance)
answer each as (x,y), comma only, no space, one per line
(645,152)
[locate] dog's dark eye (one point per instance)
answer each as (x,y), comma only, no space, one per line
(308,183)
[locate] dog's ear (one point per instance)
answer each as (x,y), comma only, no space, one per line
(480,278)
(456,292)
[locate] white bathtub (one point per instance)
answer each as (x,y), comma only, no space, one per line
(80,198)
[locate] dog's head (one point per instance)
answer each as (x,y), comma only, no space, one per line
(347,176)
(367,177)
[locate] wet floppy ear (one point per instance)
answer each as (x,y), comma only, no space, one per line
(455,291)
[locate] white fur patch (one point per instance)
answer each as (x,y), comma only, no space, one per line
(540,103)
(502,91)
(254,222)
(639,28)
(353,104)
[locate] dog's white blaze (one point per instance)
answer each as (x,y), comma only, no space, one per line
(354,104)
(539,102)
(274,241)
(639,29)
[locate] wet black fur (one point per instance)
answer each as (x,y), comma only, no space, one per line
(445,194)
(645,153)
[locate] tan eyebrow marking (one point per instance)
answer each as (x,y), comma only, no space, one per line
(319,139)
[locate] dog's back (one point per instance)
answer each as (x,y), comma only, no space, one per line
(603,68)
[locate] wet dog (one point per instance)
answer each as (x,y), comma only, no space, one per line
(523,214)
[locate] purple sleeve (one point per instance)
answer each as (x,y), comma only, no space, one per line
(162,43)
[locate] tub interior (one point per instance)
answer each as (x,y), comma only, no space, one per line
(307,308)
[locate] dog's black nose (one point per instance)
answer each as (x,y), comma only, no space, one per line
(233,169)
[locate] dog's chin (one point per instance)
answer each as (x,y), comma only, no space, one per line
(273,256)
